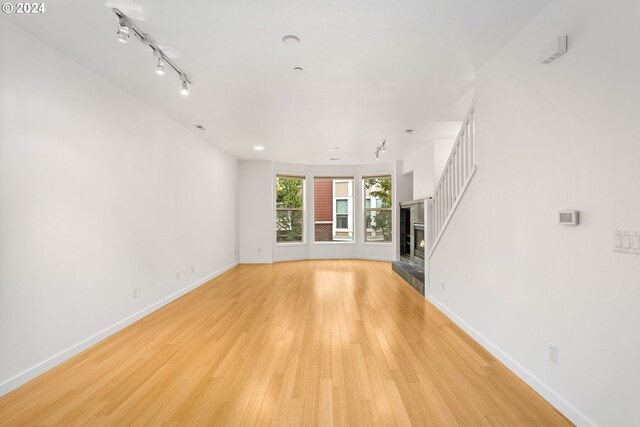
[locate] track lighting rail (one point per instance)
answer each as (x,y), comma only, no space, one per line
(144,38)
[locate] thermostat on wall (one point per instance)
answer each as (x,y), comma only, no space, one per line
(569,217)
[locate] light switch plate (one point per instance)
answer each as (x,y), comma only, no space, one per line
(627,242)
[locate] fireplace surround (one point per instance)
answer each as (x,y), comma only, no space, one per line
(413,244)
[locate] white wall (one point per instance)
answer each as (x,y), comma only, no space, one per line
(99,194)
(256,212)
(420,161)
(441,152)
(404,184)
(259,173)
(552,137)
(426,162)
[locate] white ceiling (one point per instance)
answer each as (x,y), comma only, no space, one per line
(372,68)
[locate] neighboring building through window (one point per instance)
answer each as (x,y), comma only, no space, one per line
(333,205)
(378,208)
(289,208)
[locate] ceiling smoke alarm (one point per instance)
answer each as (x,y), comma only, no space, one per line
(290,39)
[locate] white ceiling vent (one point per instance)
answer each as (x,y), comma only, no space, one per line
(554,50)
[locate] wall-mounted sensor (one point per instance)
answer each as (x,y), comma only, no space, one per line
(554,50)
(569,217)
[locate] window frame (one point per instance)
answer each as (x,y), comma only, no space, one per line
(366,210)
(351,199)
(302,241)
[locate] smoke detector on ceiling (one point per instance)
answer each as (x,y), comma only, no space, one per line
(290,39)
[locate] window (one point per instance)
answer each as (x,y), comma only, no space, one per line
(378,208)
(289,208)
(333,209)
(342,214)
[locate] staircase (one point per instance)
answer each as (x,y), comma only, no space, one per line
(457,174)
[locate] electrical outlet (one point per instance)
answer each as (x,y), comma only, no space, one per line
(443,287)
(135,293)
(553,353)
(177,276)
(259,250)
(193,268)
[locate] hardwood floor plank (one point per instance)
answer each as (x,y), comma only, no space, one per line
(326,343)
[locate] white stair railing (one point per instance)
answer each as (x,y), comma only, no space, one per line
(455,178)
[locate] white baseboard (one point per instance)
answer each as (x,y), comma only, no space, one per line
(293,258)
(305,258)
(374,258)
(552,397)
(42,367)
(255,261)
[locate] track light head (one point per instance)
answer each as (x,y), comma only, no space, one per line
(123,31)
(160,67)
(185,87)
(383,147)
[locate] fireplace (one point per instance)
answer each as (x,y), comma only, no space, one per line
(418,241)
(412,244)
(412,232)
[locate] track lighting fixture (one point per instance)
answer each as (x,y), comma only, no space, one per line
(123,31)
(381,149)
(160,67)
(126,28)
(185,87)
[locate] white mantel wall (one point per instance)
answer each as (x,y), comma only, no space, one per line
(99,195)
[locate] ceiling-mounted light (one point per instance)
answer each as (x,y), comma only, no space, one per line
(290,39)
(185,86)
(126,27)
(160,67)
(258,148)
(298,69)
(160,64)
(409,131)
(123,31)
(381,149)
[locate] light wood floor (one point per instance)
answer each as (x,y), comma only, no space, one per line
(300,343)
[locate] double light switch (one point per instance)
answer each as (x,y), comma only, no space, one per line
(626,241)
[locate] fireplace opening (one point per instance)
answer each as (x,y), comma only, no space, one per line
(418,241)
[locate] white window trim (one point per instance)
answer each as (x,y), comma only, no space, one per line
(304,208)
(372,203)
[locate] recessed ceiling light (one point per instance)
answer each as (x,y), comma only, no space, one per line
(200,127)
(298,69)
(409,131)
(258,148)
(334,158)
(336,148)
(290,39)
